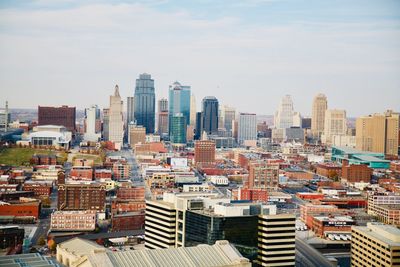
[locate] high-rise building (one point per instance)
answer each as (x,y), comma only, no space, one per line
(375,245)
(204,152)
(229,114)
(335,124)
(276,240)
(210,114)
(92,118)
(162,116)
(199,126)
(130,109)
(193,110)
(247,127)
(284,114)
(145,101)
(5,118)
(116,120)
(319,107)
(263,174)
(63,116)
(136,135)
(106,122)
(178,129)
(179,102)
(378,133)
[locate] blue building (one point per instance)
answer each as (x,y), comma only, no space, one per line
(145,102)
(210,115)
(178,129)
(372,159)
(179,102)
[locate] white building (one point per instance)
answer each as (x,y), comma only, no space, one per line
(335,124)
(76,220)
(130,111)
(92,117)
(50,135)
(247,127)
(285,113)
(219,180)
(116,121)
(5,118)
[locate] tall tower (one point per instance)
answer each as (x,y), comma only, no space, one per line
(145,101)
(193,110)
(210,115)
(130,109)
(179,102)
(335,124)
(162,116)
(284,114)
(319,107)
(92,116)
(116,120)
(247,127)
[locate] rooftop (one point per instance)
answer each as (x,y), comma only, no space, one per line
(383,232)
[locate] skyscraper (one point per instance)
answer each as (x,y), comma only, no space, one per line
(378,133)
(178,129)
(106,120)
(319,107)
(210,114)
(162,122)
(199,126)
(92,117)
(130,109)
(229,117)
(247,127)
(335,124)
(116,120)
(193,110)
(284,114)
(145,101)
(179,101)
(5,118)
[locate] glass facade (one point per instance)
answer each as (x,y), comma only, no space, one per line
(179,102)
(210,115)
(204,228)
(178,129)
(145,102)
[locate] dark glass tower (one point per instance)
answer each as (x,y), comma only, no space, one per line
(199,126)
(145,100)
(210,115)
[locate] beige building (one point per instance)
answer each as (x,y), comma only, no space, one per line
(276,240)
(193,110)
(335,124)
(116,121)
(320,105)
(375,245)
(378,133)
(136,135)
(73,220)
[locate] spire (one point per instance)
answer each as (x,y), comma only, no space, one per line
(116,90)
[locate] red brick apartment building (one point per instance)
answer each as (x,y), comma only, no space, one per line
(63,115)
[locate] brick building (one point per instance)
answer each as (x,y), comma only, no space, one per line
(81,173)
(40,188)
(43,160)
(388,214)
(356,173)
(204,152)
(83,162)
(308,211)
(121,170)
(321,225)
(254,194)
(63,115)
(130,193)
(263,175)
(128,221)
(120,206)
(20,208)
(328,169)
(84,220)
(81,196)
(102,174)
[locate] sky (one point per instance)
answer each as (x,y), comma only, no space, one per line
(247,53)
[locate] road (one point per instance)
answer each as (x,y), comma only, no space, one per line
(307,256)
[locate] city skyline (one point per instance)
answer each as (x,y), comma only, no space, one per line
(232,55)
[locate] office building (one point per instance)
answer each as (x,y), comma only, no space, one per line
(319,107)
(335,124)
(229,114)
(136,135)
(355,173)
(263,174)
(92,120)
(284,115)
(130,109)
(378,133)
(204,152)
(145,102)
(162,117)
(198,131)
(247,127)
(63,116)
(106,127)
(380,199)
(210,114)
(193,110)
(375,245)
(179,102)
(276,240)
(76,195)
(116,121)
(82,220)
(5,118)
(178,129)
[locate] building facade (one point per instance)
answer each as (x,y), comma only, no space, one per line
(263,175)
(116,121)
(284,115)
(319,107)
(179,102)
(145,102)
(178,129)
(204,152)
(162,117)
(335,124)
(92,120)
(63,116)
(210,114)
(81,196)
(247,127)
(130,109)
(84,220)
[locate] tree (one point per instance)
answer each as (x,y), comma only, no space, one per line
(52,244)
(41,241)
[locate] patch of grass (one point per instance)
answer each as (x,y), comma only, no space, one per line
(21,156)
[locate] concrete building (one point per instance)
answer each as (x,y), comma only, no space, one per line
(319,107)
(162,123)
(377,199)
(335,124)
(263,175)
(92,120)
(375,245)
(193,110)
(5,118)
(106,122)
(276,240)
(136,135)
(63,116)
(204,152)
(388,214)
(210,109)
(378,133)
(116,121)
(83,220)
(284,115)
(145,102)
(130,109)
(50,135)
(247,127)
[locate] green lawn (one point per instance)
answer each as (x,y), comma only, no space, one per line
(21,156)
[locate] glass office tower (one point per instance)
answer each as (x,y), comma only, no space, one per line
(145,102)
